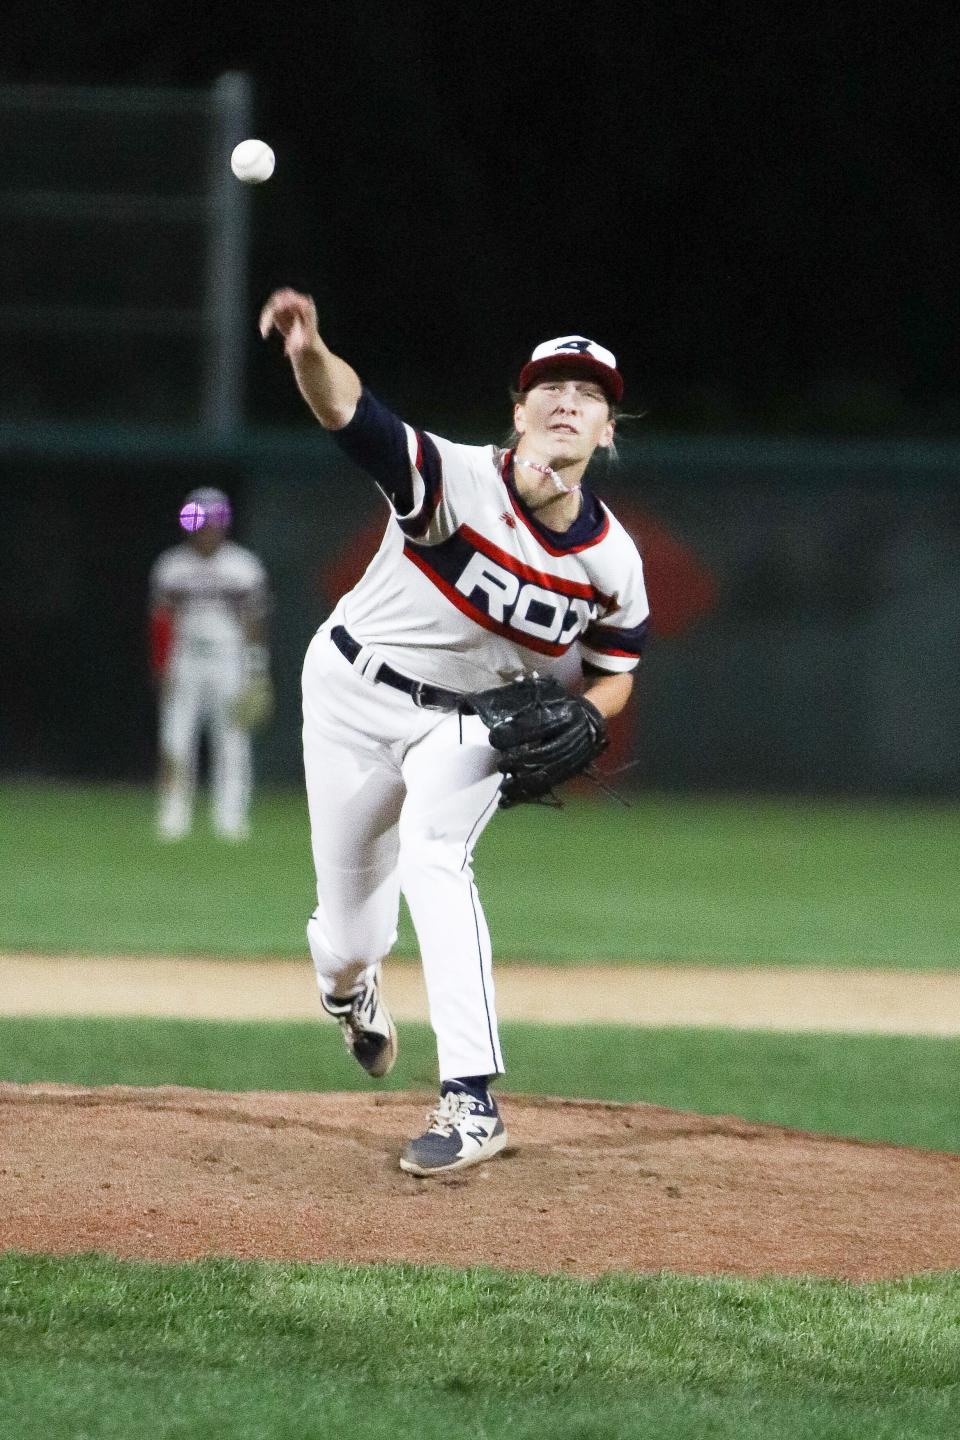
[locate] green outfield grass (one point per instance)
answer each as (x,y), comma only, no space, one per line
(873,1087)
(103,1350)
(731,881)
(108,1351)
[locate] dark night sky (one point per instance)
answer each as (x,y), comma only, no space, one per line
(752,205)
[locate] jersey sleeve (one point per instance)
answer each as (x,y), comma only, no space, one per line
(160,584)
(256,600)
(404,462)
(616,640)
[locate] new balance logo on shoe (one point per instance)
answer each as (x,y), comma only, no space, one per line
(369,1006)
(461,1131)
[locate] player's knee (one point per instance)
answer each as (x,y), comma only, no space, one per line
(348,952)
(174,767)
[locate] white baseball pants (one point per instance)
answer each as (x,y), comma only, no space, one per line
(199,695)
(398,798)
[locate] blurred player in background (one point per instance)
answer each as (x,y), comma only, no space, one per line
(209,600)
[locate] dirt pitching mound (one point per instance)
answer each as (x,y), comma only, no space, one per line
(583,1188)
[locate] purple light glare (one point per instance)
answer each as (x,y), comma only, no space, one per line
(192,516)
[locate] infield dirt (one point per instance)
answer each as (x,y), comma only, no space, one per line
(583,1188)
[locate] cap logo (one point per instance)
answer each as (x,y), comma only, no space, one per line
(584,356)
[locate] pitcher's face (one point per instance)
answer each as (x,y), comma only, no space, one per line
(564,419)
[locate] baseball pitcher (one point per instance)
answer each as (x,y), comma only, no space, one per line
(431,695)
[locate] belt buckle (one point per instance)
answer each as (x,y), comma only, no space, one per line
(417,694)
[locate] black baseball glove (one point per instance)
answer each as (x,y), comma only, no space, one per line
(544,735)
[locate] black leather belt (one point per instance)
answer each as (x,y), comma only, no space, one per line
(428,697)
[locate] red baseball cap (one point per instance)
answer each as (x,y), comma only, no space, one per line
(573,352)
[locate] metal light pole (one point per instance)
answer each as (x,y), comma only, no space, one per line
(226,322)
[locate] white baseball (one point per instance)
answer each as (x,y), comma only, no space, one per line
(252,161)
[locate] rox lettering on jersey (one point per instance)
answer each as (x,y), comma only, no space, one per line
(543,612)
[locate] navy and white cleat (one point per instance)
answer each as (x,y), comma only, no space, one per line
(368,1031)
(463,1130)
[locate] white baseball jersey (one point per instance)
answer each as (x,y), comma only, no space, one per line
(468,588)
(210,595)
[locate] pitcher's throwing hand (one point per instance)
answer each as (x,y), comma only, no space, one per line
(295,316)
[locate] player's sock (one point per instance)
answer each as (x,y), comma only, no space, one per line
(476,1085)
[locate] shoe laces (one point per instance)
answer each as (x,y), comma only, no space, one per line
(350,1013)
(453,1107)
